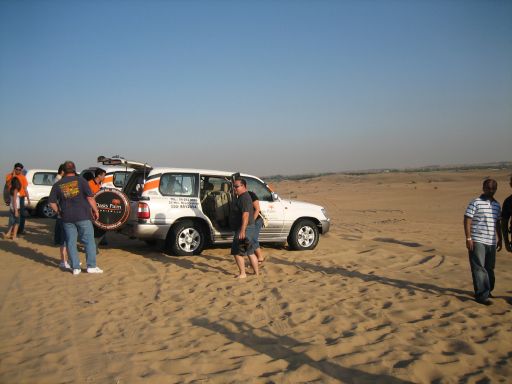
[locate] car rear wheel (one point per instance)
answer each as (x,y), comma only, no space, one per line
(186,238)
(44,210)
(303,236)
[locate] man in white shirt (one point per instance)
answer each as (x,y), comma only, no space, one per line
(482,227)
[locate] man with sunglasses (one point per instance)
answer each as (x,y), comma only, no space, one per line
(23,193)
(244,239)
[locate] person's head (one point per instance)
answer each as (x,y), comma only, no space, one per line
(61,169)
(240,186)
(490,186)
(15,185)
(99,174)
(69,168)
(18,168)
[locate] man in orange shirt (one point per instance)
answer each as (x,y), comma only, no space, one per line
(23,193)
(95,184)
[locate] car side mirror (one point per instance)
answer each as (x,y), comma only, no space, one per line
(275,196)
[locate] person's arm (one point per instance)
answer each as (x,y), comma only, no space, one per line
(52,200)
(94,206)
(467,231)
(505,232)
(256,205)
(498,234)
(25,188)
(55,207)
(245,223)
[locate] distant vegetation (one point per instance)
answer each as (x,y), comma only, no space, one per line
(428,168)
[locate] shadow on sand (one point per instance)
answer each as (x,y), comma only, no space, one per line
(206,264)
(395,241)
(280,347)
(397,283)
(29,253)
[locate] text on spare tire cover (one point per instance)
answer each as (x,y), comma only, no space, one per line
(113,208)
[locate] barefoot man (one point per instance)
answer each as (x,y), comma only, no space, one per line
(243,240)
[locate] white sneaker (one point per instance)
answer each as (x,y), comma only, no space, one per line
(94,270)
(76,271)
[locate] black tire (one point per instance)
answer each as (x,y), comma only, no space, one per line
(44,210)
(303,236)
(186,238)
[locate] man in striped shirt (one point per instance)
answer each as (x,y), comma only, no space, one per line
(482,227)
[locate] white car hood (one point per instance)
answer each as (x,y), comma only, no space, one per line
(302,205)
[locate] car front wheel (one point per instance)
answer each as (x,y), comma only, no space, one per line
(186,238)
(44,210)
(303,236)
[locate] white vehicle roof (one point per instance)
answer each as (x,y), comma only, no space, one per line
(108,169)
(117,163)
(158,170)
(35,170)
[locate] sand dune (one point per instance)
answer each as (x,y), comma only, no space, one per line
(385,298)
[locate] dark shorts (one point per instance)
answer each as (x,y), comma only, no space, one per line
(249,243)
(59,236)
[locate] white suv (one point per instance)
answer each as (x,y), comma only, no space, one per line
(190,209)
(40,183)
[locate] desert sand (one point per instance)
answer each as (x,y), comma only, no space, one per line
(386,297)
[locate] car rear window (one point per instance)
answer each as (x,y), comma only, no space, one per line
(120,178)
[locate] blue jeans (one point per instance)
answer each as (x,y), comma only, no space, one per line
(482,261)
(84,230)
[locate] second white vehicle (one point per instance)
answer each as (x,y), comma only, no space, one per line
(40,183)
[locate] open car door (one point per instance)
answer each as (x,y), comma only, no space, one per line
(121,161)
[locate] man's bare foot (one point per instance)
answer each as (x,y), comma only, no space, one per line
(241,276)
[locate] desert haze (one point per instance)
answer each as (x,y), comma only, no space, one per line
(386,297)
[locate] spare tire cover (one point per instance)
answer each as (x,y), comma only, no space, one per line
(113,207)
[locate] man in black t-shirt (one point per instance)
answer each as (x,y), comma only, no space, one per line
(506,223)
(243,240)
(72,199)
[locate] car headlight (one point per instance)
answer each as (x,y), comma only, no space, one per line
(325,213)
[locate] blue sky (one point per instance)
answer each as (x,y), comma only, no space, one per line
(264,87)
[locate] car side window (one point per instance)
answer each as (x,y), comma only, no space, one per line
(179,184)
(120,178)
(43,178)
(259,188)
